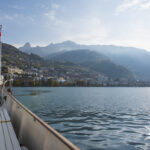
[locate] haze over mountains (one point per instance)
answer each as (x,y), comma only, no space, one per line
(13,57)
(134,59)
(94,61)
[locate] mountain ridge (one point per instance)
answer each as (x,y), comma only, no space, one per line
(94,61)
(14,57)
(135,59)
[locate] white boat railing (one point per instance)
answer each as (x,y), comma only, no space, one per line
(31,131)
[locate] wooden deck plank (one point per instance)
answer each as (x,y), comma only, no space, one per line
(9,145)
(1,114)
(6,114)
(12,134)
(13,137)
(8,139)
(2,139)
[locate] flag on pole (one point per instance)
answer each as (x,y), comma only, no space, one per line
(0,30)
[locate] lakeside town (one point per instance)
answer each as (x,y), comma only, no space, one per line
(74,68)
(58,77)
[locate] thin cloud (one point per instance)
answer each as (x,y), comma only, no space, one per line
(146,5)
(133,4)
(52,14)
(8,17)
(86,31)
(55,6)
(127,4)
(17,7)
(18,18)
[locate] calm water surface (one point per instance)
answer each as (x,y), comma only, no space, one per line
(94,118)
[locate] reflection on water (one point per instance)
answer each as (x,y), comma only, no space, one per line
(33,92)
(95,118)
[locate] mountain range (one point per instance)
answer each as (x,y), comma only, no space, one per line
(94,61)
(13,57)
(84,62)
(134,59)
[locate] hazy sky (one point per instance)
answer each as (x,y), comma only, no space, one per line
(118,22)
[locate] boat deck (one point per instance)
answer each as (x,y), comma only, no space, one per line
(8,139)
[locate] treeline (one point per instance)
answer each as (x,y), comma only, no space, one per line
(52,83)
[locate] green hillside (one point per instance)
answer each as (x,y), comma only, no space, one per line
(11,56)
(94,61)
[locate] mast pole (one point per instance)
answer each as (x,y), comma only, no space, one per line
(1,93)
(0,54)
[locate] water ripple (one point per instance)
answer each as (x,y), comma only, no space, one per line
(96,118)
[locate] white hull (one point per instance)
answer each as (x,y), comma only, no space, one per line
(31,131)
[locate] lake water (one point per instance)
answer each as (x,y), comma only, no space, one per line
(94,118)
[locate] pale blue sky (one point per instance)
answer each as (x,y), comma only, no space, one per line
(40,22)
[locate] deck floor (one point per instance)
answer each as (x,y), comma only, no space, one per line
(8,139)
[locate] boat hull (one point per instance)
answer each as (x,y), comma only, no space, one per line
(31,131)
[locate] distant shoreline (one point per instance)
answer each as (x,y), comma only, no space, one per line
(79,86)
